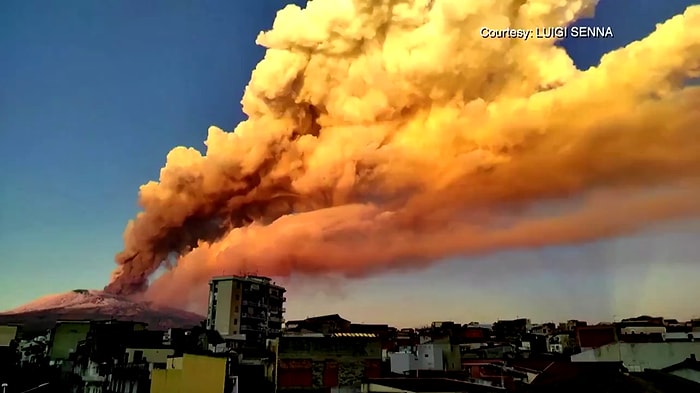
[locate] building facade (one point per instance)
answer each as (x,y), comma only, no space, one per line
(190,373)
(65,337)
(9,334)
(425,357)
(249,307)
(595,336)
(638,357)
(322,362)
(511,329)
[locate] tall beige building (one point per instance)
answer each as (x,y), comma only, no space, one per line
(246,305)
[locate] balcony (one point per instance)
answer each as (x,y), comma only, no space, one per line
(249,303)
(253,316)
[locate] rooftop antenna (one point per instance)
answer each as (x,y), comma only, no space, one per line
(246,273)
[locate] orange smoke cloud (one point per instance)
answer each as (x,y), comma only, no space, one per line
(386,134)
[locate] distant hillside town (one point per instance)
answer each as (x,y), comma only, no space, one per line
(246,346)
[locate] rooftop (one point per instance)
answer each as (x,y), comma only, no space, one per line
(247,278)
(325,318)
(332,335)
(242,278)
(429,385)
(302,335)
(688,364)
(71,321)
(366,335)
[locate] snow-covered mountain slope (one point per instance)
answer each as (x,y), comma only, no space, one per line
(77,299)
(82,304)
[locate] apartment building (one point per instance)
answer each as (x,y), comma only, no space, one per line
(246,308)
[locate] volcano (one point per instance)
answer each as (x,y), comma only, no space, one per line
(87,304)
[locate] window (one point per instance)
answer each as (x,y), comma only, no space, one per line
(138,356)
(236,310)
(238,297)
(235,321)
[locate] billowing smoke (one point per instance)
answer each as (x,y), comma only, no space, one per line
(387,134)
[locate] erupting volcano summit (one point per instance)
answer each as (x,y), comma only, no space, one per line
(83,304)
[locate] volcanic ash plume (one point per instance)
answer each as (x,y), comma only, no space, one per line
(388,134)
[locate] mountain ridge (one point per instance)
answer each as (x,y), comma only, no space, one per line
(88,304)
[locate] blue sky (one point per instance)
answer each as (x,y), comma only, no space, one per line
(94,94)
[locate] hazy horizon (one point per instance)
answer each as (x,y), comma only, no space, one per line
(573,291)
(95,96)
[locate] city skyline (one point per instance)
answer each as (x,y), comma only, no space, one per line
(98,305)
(79,140)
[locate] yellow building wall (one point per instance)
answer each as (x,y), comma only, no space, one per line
(166,381)
(199,374)
(203,374)
(7,334)
(175,363)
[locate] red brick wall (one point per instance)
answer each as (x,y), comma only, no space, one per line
(473,333)
(489,374)
(330,375)
(595,336)
(295,373)
(373,368)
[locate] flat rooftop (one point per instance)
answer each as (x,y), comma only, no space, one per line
(248,278)
(433,385)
